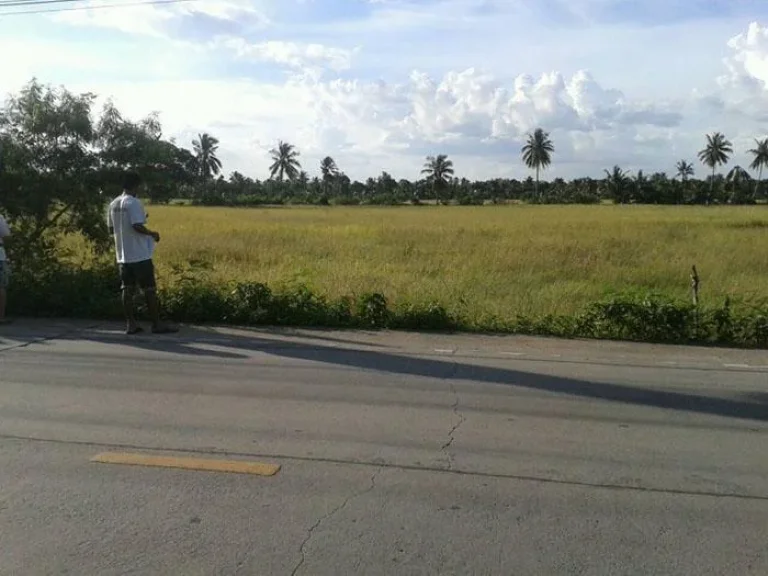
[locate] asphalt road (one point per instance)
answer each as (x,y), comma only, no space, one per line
(398,454)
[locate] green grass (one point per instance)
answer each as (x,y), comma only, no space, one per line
(480,262)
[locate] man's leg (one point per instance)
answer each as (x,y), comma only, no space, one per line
(145,272)
(3,291)
(130,318)
(3,300)
(128,280)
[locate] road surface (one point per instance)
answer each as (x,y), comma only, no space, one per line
(397,454)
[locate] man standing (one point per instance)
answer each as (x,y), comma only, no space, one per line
(5,271)
(134,246)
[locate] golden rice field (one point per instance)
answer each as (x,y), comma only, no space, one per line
(477,260)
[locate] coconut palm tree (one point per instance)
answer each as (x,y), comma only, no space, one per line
(716,152)
(684,170)
(618,185)
(328,168)
(537,153)
(438,170)
(737,177)
(285,161)
(760,161)
(205,147)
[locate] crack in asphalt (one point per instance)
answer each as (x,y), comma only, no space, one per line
(327,516)
(451,433)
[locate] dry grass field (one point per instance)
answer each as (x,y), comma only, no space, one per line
(478,260)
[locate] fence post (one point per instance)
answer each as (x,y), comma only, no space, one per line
(695,294)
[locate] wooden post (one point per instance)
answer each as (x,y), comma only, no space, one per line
(695,293)
(695,286)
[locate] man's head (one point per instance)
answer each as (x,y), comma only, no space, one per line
(131,182)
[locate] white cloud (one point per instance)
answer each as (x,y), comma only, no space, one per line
(478,116)
(293,54)
(748,64)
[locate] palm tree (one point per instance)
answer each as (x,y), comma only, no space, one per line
(328,168)
(737,177)
(684,170)
(716,152)
(205,148)
(286,162)
(617,183)
(537,153)
(438,169)
(761,160)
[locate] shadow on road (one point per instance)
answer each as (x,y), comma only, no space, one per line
(753,407)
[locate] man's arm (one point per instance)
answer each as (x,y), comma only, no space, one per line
(141,229)
(5,234)
(138,221)
(5,230)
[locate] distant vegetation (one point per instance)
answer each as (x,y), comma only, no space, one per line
(290,184)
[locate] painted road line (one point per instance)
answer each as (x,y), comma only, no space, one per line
(736,366)
(203,464)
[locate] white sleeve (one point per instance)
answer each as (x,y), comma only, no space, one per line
(136,213)
(110,223)
(5,230)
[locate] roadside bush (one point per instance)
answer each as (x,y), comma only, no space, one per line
(190,296)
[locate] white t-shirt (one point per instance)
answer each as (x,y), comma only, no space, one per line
(5,231)
(130,246)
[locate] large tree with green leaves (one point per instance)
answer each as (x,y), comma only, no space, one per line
(51,179)
(537,153)
(60,167)
(759,160)
(285,161)
(206,147)
(717,151)
(438,170)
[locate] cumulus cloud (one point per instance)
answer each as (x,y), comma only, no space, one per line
(464,113)
(748,62)
(474,105)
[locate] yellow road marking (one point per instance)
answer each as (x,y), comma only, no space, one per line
(208,465)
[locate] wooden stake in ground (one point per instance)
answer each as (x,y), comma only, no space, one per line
(695,293)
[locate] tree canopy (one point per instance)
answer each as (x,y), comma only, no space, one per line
(59,165)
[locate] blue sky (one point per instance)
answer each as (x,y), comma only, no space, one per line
(380,84)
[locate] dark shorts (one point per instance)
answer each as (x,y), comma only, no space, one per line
(5,273)
(141,274)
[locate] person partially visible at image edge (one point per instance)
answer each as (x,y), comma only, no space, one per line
(134,247)
(5,269)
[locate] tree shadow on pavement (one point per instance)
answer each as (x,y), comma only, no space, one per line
(755,409)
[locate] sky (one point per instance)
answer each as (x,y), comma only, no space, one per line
(381,84)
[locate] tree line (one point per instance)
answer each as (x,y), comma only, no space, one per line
(289,183)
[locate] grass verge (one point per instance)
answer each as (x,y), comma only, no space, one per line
(194,298)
